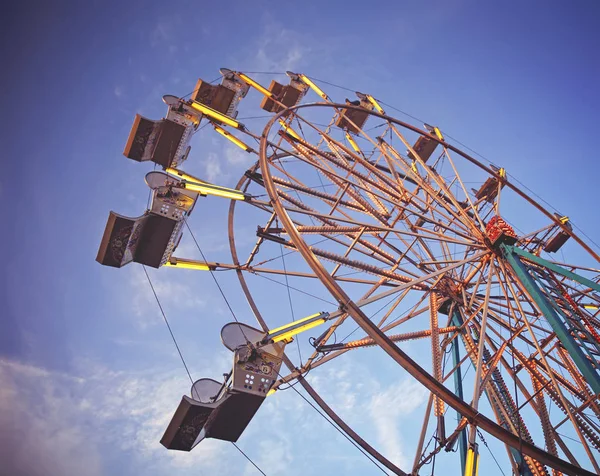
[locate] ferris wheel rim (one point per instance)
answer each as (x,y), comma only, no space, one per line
(383,341)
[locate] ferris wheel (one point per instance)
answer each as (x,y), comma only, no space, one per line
(413,241)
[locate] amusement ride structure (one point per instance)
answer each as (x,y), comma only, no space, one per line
(413,240)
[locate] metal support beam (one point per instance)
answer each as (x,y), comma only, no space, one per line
(458,389)
(551,316)
(554,267)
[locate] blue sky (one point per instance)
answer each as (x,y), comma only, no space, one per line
(89,374)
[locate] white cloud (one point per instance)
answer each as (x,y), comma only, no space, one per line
(37,419)
(236,156)
(366,403)
(387,408)
(172,290)
(54,424)
(80,424)
(212,168)
(118,91)
(166,30)
(280,49)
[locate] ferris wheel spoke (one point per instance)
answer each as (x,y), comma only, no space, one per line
(374,170)
(331,163)
(464,189)
(439,197)
(569,365)
(430,234)
(459,210)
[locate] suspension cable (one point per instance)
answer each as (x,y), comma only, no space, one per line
(168,325)
(289,295)
(213,274)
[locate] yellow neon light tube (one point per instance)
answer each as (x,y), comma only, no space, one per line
(182,175)
(376,105)
(298,330)
(187,264)
(438,133)
(279,334)
(191,180)
(472,463)
(591,306)
(255,85)
(233,139)
(469,463)
(271,392)
(208,189)
(216,115)
(289,130)
(352,143)
(299,321)
(314,87)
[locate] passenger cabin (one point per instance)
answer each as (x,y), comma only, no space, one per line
(164,142)
(489,190)
(151,238)
(224,410)
(559,238)
(353,120)
(425,146)
(223,97)
(288,95)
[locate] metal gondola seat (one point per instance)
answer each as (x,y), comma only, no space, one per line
(559,238)
(424,148)
(489,189)
(223,411)
(151,238)
(224,97)
(289,95)
(224,419)
(216,96)
(157,141)
(352,120)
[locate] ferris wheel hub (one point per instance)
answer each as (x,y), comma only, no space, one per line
(499,232)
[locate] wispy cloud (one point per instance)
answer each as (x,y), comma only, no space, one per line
(387,407)
(366,402)
(55,424)
(280,48)
(212,168)
(237,157)
(172,289)
(36,414)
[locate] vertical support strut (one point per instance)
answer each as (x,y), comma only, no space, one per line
(458,388)
(437,363)
(553,318)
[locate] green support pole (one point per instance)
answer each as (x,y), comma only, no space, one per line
(458,388)
(583,364)
(554,267)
